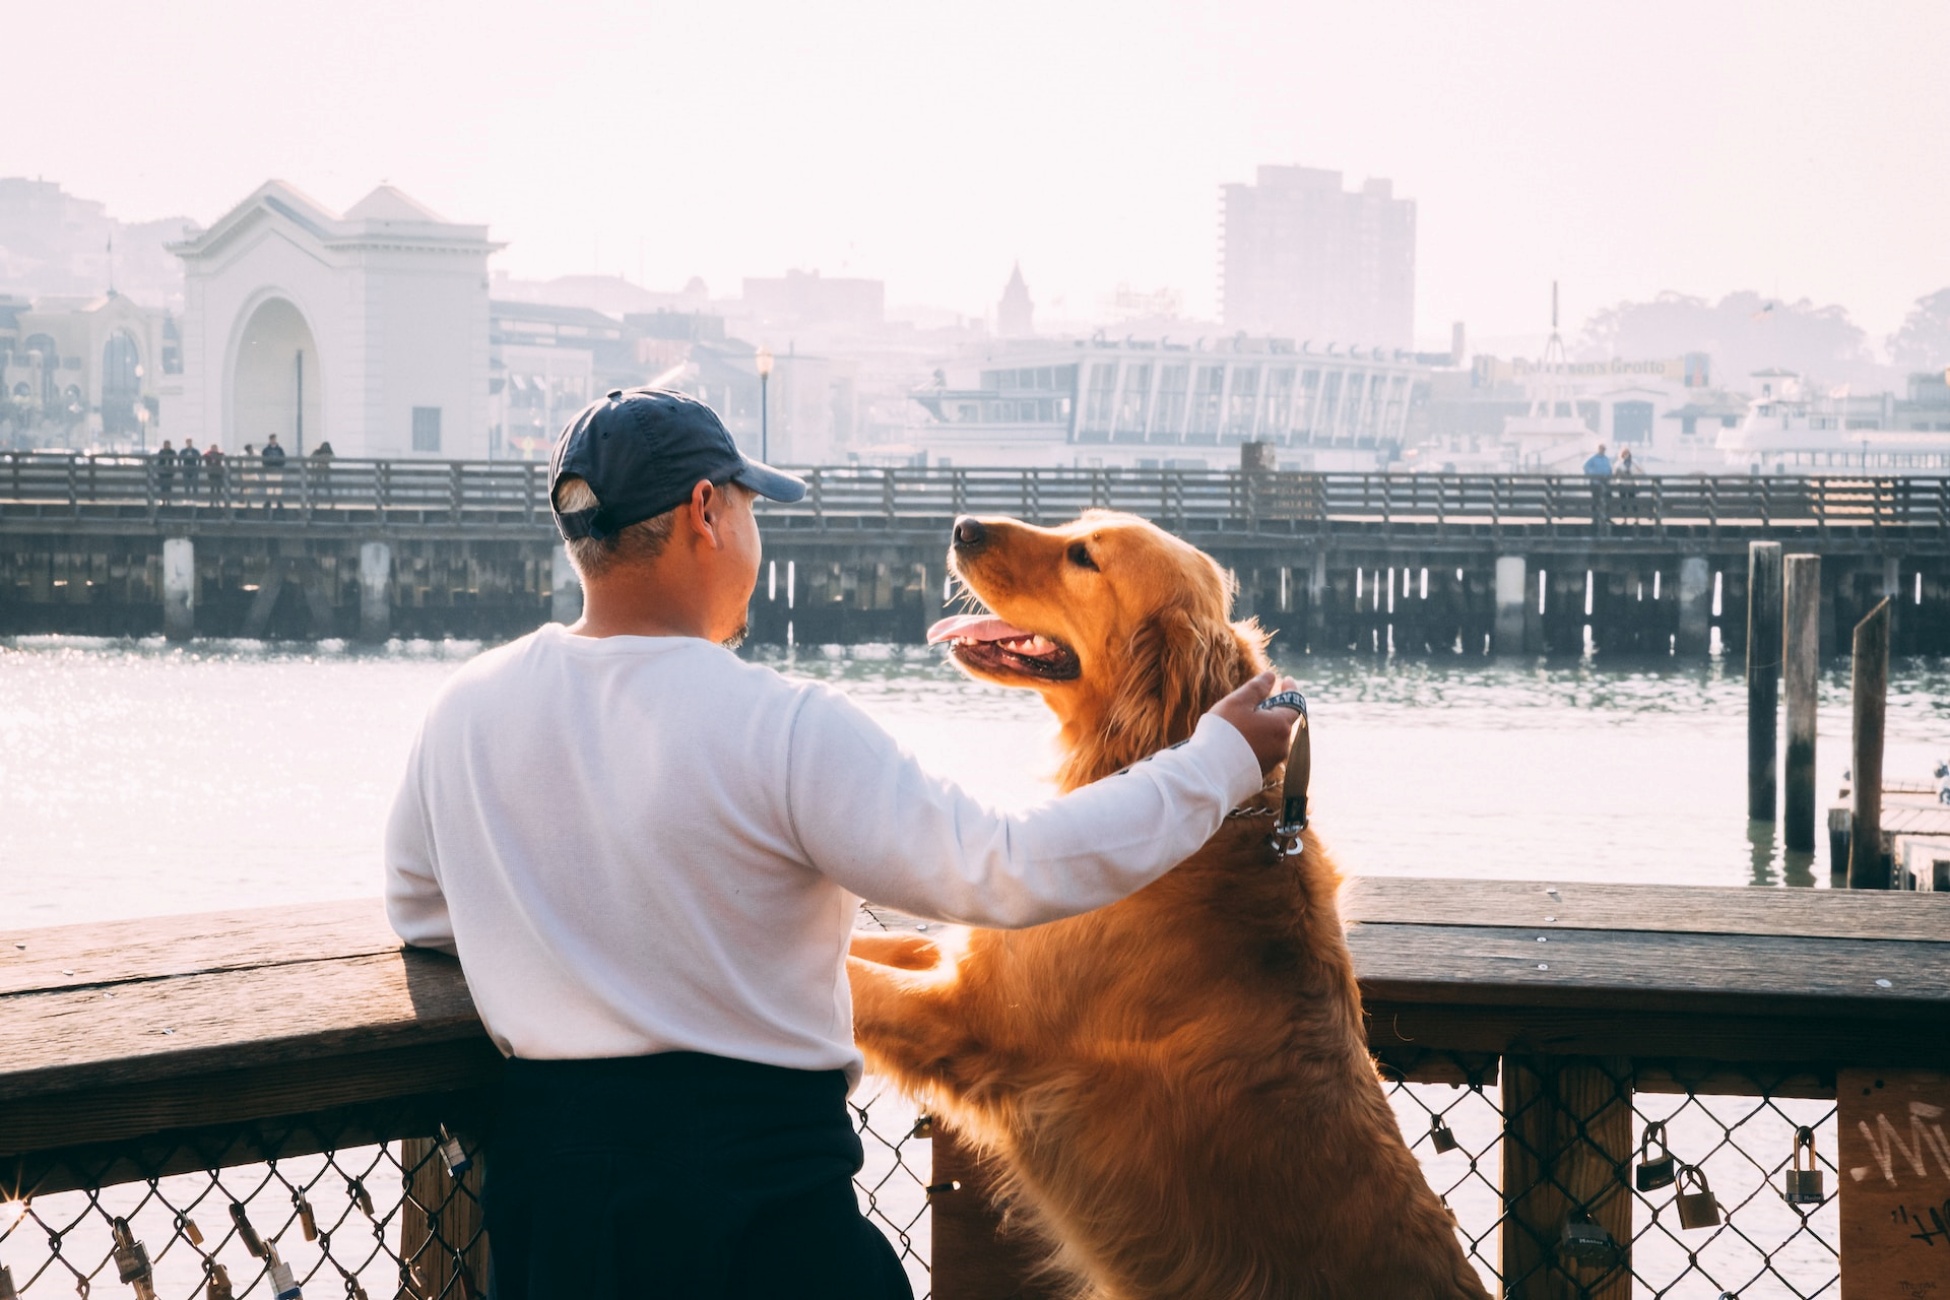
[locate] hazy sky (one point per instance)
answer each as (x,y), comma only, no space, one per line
(1794,148)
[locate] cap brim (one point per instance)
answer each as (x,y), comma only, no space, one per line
(772,484)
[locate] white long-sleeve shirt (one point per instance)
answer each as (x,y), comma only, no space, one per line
(646,844)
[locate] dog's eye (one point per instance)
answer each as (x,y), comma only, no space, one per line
(1080,556)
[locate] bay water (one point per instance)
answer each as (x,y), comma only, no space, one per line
(142,777)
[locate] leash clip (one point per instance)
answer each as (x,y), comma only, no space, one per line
(1299,768)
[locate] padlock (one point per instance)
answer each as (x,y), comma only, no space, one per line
(1798,1185)
(187,1226)
(132,1261)
(1586,1241)
(1440,1137)
(357,1191)
(452,1154)
(1697,1208)
(245,1233)
(7,1291)
(284,1286)
(307,1221)
(1655,1170)
(923,1127)
(218,1285)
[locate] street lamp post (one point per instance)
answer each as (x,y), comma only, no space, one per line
(764,405)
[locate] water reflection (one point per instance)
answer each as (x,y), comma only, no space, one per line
(139,776)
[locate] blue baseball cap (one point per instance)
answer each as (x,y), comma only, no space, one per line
(642,451)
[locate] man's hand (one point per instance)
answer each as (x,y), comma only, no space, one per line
(1268,731)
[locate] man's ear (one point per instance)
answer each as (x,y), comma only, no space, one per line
(706,510)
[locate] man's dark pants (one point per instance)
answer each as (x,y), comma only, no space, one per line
(683,1176)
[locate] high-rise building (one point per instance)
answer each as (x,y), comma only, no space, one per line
(1305,258)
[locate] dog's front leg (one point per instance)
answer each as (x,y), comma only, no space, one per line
(903,951)
(911,1026)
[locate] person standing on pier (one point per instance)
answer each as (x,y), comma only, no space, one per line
(213,462)
(165,470)
(190,461)
(272,458)
(1598,470)
(648,855)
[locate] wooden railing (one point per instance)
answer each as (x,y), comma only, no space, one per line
(513,495)
(151,1069)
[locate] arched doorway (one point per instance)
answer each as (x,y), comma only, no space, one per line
(48,357)
(121,387)
(276,384)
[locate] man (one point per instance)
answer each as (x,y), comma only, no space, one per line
(648,854)
(1598,470)
(213,461)
(165,469)
(272,459)
(190,461)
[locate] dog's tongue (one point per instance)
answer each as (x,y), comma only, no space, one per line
(973,627)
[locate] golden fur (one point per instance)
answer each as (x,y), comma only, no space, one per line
(1177,1087)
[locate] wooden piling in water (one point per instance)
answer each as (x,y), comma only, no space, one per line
(1870,688)
(1801,599)
(1763,677)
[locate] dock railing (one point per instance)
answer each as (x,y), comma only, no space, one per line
(49,487)
(166,1082)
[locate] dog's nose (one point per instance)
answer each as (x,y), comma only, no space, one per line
(969,533)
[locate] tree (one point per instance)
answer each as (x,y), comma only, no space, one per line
(1743,332)
(1923,343)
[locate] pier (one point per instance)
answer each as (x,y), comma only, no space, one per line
(298,1063)
(1369,563)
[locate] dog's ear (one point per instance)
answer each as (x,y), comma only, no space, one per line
(1178,667)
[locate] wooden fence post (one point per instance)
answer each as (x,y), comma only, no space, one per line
(1567,1142)
(975,1255)
(1802,599)
(1763,678)
(1870,688)
(441,1236)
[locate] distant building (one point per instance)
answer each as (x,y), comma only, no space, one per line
(369,329)
(1303,258)
(1015,315)
(84,372)
(802,299)
(1161,404)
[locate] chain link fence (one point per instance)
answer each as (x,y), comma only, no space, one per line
(402,1218)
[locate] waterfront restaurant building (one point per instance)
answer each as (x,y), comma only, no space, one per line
(1159,404)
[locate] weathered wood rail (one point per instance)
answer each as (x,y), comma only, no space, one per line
(67,490)
(1402,563)
(137,1050)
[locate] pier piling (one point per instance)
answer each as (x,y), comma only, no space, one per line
(375,591)
(1695,605)
(179,588)
(1513,596)
(1801,590)
(1870,687)
(1763,677)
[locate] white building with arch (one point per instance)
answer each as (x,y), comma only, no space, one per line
(367,329)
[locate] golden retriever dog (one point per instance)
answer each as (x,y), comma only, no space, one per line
(1177,1088)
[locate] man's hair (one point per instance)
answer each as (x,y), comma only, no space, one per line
(637,544)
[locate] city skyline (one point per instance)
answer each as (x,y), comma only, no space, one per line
(1700,149)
